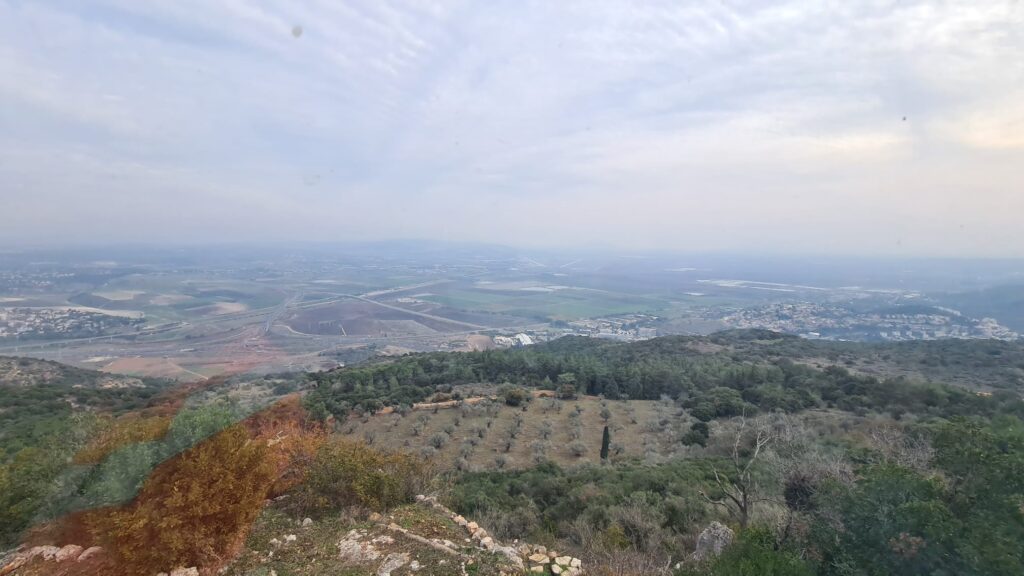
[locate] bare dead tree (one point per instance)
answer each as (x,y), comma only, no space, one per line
(739,488)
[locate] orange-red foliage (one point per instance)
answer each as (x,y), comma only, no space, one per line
(122,432)
(193,508)
(292,437)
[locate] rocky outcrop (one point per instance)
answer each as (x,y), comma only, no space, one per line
(712,541)
(539,559)
(47,554)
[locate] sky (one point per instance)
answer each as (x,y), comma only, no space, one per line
(845,127)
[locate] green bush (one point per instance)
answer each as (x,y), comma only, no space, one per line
(346,473)
(754,553)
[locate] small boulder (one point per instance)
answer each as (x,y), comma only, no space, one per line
(556,569)
(537,569)
(712,541)
(472,527)
(392,562)
(89,552)
(539,558)
(69,552)
(193,571)
(307,522)
(563,560)
(487,542)
(47,552)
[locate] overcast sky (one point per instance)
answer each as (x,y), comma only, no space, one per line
(892,127)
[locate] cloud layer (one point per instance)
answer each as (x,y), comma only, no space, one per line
(845,127)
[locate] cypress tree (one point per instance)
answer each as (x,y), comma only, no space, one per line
(605,441)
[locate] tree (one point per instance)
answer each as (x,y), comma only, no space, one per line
(605,442)
(567,386)
(738,488)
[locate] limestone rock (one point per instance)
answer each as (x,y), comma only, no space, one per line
(352,549)
(537,569)
(511,554)
(193,571)
(712,541)
(89,552)
(556,569)
(47,552)
(563,560)
(392,562)
(472,527)
(69,552)
(539,558)
(307,522)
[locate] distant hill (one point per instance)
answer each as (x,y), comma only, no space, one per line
(37,397)
(19,372)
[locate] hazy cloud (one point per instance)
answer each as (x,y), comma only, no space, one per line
(854,127)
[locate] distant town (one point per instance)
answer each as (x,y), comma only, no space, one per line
(60,322)
(835,322)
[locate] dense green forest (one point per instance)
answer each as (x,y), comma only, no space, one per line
(717,376)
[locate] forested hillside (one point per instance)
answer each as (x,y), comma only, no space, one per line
(720,375)
(740,453)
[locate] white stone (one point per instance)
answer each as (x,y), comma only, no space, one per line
(414,566)
(472,527)
(47,552)
(89,552)
(291,538)
(193,571)
(69,552)
(307,522)
(563,560)
(392,562)
(537,569)
(487,542)
(556,569)
(575,563)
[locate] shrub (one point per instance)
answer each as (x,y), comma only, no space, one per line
(693,437)
(438,441)
(192,508)
(514,395)
(346,473)
(122,432)
(755,553)
(578,449)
